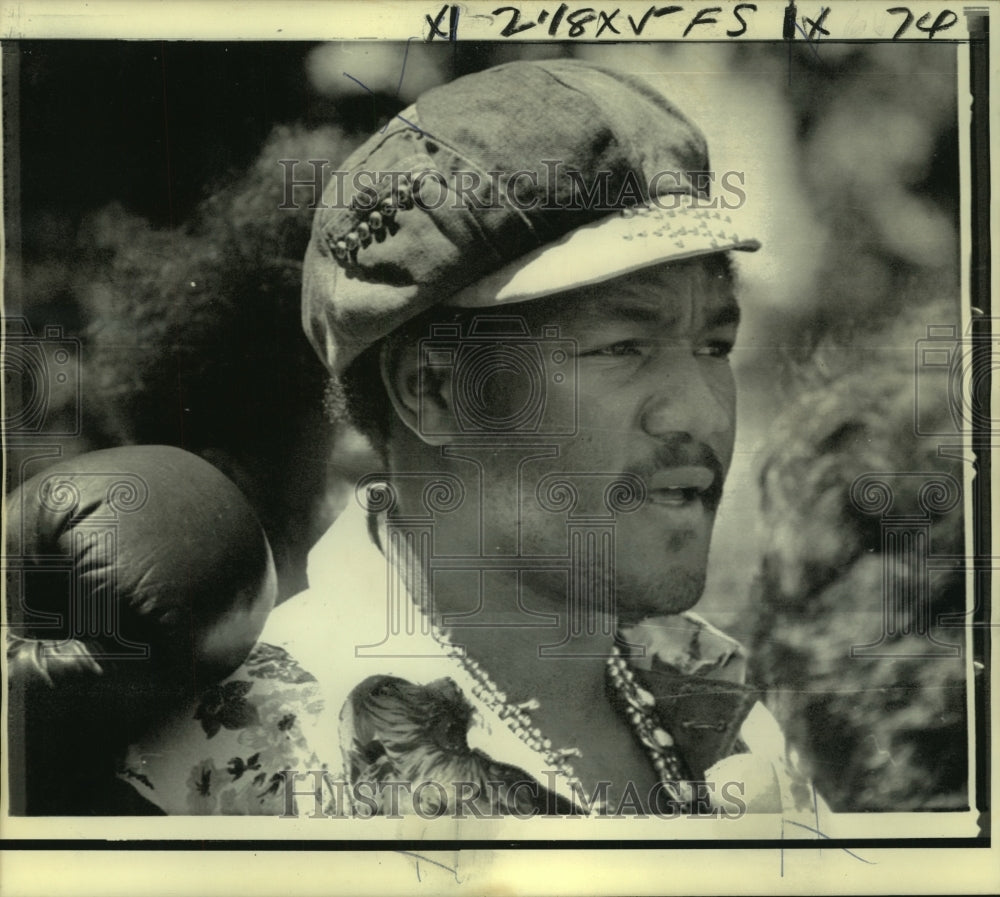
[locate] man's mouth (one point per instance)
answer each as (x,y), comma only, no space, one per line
(678,487)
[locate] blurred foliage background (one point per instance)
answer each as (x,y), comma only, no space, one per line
(142,193)
(143,187)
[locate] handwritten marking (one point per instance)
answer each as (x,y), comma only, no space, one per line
(698,20)
(418,857)
(557,18)
(788,24)
(817,25)
(941,23)
(435,24)
(816,831)
(811,38)
(399,87)
(372,92)
(593,23)
(811,47)
(812,787)
(808,41)
(606,22)
(788,33)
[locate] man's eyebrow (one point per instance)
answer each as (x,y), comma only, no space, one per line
(623,311)
(648,315)
(612,309)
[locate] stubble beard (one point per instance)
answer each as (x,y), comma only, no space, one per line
(675,590)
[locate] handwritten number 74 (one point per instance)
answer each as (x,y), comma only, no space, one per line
(945,19)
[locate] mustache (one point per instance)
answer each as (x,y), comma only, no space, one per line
(684,451)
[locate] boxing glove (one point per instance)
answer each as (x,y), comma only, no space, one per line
(136,577)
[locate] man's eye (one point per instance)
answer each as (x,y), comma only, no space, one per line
(715,349)
(624,349)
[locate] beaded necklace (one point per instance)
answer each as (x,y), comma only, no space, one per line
(516,716)
(637,704)
(634,701)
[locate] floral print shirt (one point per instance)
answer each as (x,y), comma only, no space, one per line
(329,700)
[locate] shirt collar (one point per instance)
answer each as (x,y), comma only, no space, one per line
(688,644)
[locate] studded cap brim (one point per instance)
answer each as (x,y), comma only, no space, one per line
(613,247)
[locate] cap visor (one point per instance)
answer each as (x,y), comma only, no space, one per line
(609,248)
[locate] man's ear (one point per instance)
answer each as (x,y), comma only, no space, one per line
(421,397)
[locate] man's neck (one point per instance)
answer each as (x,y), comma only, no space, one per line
(536,645)
(531,647)
(563,667)
(534,639)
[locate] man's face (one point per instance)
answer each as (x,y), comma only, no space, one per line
(654,400)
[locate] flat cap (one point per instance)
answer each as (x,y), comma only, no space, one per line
(520,181)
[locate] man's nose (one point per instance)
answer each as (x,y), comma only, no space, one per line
(694,398)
